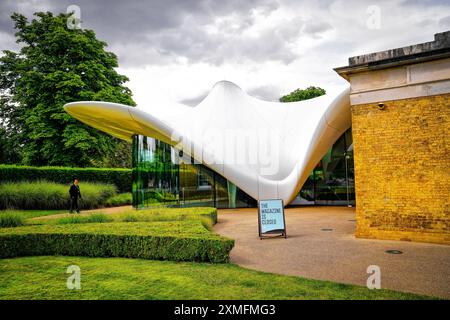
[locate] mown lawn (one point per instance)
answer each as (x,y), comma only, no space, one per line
(120,278)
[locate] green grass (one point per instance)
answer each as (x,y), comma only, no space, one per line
(8,220)
(121,199)
(159,233)
(51,195)
(92,218)
(28,214)
(159,228)
(118,278)
(179,234)
(120,177)
(207,215)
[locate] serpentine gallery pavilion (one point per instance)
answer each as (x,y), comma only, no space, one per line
(381,145)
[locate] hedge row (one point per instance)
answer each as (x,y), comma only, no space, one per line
(121,178)
(129,240)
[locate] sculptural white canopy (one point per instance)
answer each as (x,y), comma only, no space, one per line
(268,149)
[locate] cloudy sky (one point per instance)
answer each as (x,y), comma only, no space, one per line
(175,50)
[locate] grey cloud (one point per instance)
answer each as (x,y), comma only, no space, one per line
(425,22)
(7,42)
(445,23)
(268,93)
(425,3)
(160,32)
(229,46)
(315,28)
(7,7)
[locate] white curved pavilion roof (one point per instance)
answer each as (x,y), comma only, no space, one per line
(268,149)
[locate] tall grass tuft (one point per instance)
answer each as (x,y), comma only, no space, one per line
(50,195)
(121,199)
(207,216)
(129,218)
(92,218)
(11,219)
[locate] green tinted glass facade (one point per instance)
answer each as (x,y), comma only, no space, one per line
(155,172)
(163,175)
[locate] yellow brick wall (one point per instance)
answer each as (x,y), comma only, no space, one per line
(402,169)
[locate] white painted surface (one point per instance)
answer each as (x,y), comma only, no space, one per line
(229,132)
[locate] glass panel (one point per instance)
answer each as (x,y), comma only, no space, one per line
(307,194)
(243,200)
(330,175)
(155,173)
(332,180)
(231,188)
(196,185)
(228,195)
(221,186)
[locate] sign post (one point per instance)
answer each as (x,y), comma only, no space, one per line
(271,222)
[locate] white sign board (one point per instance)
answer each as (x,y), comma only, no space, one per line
(271,217)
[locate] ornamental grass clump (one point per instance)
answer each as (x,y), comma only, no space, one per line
(10,219)
(50,195)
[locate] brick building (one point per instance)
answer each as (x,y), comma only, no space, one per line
(400,106)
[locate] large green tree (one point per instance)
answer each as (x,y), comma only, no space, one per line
(303,94)
(7,154)
(54,66)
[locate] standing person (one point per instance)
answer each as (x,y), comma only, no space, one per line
(74,192)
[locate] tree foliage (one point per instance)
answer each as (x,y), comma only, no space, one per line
(54,66)
(303,94)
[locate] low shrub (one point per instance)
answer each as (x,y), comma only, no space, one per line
(92,218)
(176,241)
(122,199)
(121,178)
(50,195)
(129,218)
(10,219)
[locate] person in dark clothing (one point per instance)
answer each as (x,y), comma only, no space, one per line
(74,193)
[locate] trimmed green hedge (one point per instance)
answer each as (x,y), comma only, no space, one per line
(121,178)
(176,241)
(51,195)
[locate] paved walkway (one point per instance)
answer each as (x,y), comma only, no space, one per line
(335,255)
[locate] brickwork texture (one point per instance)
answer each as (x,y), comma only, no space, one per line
(402,169)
